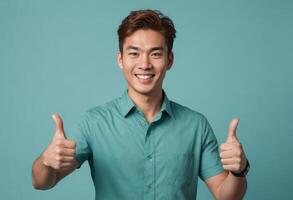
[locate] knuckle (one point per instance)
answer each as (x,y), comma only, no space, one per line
(58,158)
(238,160)
(46,163)
(238,153)
(58,162)
(58,150)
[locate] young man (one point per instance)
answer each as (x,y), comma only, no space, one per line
(142,145)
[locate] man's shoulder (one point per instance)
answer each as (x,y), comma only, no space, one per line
(183,111)
(103,110)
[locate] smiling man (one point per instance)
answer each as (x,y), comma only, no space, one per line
(143,145)
(144,59)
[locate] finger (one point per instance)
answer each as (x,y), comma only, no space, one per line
(66,164)
(228,161)
(65,152)
(59,125)
(232,130)
(64,143)
(67,158)
(227,154)
(70,165)
(232,167)
(58,122)
(69,144)
(226,146)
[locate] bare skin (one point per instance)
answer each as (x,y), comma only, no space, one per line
(225,185)
(57,161)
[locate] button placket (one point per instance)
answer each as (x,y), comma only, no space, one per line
(149,166)
(144,124)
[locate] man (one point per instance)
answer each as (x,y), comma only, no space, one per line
(142,145)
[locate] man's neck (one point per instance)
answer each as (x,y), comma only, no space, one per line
(149,104)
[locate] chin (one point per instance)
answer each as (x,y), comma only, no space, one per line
(145,91)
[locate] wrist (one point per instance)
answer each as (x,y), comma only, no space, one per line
(243,172)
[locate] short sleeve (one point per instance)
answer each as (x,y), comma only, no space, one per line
(210,164)
(79,133)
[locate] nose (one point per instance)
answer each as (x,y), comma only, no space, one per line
(145,62)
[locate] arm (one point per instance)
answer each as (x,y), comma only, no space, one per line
(226,186)
(45,177)
(57,161)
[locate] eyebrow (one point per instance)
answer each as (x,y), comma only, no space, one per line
(131,47)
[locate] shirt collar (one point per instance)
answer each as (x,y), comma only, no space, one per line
(126,104)
(166,105)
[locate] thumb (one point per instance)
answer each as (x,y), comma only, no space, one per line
(232,130)
(59,125)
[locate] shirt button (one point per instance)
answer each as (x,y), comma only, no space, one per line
(149,157)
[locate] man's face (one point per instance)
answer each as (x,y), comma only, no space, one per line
(144,61)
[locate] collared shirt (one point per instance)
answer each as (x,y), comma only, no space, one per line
(132,159)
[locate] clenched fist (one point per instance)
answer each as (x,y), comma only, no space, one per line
(231,153)
(61,152)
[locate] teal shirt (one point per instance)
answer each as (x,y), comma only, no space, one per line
(131,159)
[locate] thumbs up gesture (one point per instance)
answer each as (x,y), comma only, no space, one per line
(61,152)
(231,152)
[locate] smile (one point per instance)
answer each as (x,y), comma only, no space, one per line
(144,76)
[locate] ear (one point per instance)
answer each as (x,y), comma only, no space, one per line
(170,60)
(119,59)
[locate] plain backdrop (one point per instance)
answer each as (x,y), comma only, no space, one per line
(232,58)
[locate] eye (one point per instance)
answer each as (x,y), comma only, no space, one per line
(133,54)
(156,54)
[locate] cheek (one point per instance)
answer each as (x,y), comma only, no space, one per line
(127,68)
(162,63)
(128,64)
(162,67)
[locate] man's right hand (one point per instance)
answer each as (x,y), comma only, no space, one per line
(61,152)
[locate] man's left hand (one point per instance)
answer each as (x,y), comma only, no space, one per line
(231,152)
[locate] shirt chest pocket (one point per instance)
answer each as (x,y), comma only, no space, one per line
(180,168)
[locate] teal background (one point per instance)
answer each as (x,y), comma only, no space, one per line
(232,58)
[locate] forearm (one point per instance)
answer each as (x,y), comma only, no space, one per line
(43,177)
(233,188)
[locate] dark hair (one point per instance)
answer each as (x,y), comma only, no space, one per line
(147,19)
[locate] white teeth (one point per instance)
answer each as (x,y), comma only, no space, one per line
(144,76)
